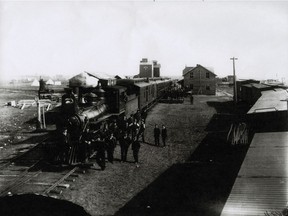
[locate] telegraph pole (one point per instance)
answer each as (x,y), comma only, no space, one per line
(234,80)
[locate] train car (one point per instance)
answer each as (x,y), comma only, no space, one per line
(162,87)
(147,93)
(147,90)
(260,187)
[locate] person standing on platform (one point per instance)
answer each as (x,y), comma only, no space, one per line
(156,135)
(164,135)
(135,149)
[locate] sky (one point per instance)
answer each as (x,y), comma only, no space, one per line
(69,37)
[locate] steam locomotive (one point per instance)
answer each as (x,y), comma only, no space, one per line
(86,106)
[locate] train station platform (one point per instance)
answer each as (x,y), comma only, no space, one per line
(262,182)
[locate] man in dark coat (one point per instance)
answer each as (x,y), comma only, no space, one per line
(111,144)
(144,115)
(125,142)
(134,129)
(64,146)
(124,124)
(100,155)
(191,98)
(130,121)
(141,130)
(86,142)
(164,135)
(138,115)
(135,149)
(156,135)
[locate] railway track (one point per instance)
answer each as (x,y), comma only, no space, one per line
(27,173)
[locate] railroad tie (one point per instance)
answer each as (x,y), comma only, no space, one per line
(50,189)
(48,184)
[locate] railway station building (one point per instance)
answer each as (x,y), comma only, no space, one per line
(200,80)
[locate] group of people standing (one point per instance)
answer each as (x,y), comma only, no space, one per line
(124,132)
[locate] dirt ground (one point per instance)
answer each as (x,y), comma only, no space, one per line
(15,126)
(124,189)
(14,119)
(105,192)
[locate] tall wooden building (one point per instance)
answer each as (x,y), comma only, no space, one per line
(149,69)
(200,80)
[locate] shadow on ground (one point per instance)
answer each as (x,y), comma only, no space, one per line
(200,186)
(36,205)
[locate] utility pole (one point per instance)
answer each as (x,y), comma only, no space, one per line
(234,80)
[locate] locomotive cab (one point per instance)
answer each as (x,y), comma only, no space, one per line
(116,99)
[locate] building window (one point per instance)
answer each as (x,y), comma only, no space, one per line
(207,75)
(191,75)
(191,86)
(207,87)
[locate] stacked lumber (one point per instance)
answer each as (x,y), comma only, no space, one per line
(28,103)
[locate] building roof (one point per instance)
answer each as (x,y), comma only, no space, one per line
(50,82)
(185,71)
(118,77)
(35,83)
(101,76)
(84,80)
(261,184)
(270,101)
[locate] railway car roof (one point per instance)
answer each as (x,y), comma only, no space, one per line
(270,101)
(262,183)
(144,84)
(162,81)
(257,85)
